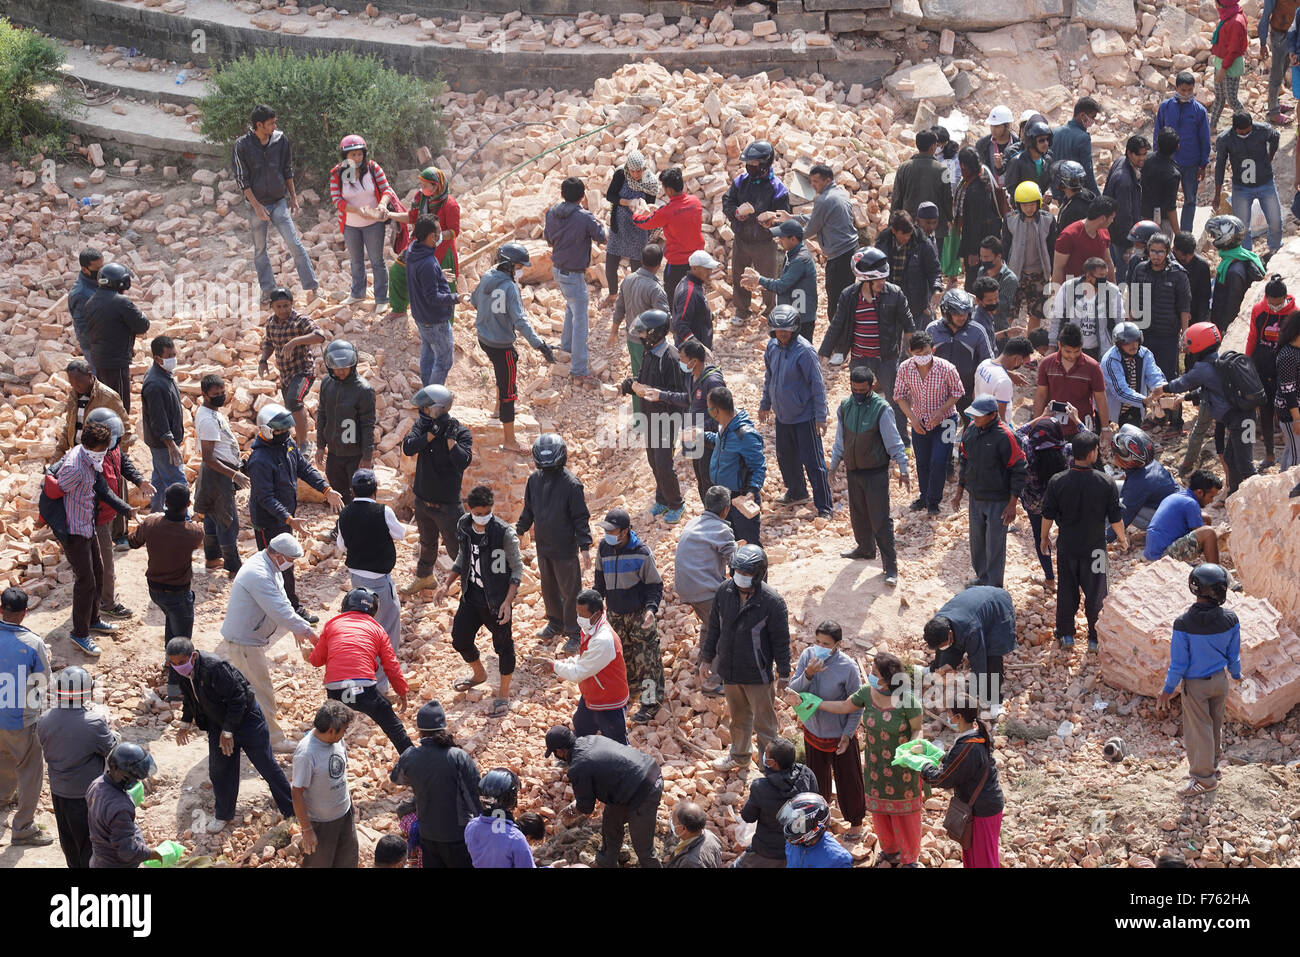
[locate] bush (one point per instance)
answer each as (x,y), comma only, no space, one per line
(31,90)
(318,100)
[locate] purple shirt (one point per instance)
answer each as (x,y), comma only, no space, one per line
(77,479)
(497,842)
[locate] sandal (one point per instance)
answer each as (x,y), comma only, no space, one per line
(1197,788)
(469,681)
(500,708)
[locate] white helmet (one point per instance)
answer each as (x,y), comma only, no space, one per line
(999,115)
(273,418)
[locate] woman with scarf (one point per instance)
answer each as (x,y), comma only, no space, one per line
(976,214)
(359,190)
(631,182)
(431,198)
(1228,47)
(1047,452)
(1262,343)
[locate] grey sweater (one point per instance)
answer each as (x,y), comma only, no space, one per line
(638,292)
(703,549)
(840,679)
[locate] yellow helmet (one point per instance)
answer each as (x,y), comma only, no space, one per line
(1028,192)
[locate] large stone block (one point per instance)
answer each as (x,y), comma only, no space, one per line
(1112,14)
(1009,41)
(921,81)
(1265,540)
(986,14)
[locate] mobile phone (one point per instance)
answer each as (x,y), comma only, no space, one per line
(1061,407)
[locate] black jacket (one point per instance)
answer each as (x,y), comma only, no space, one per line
(766,796)
(661,372)
(445,783)
(764,193)
(601,769)
(161,415)
(1074,209)
(697,398)
(112,323)
(892,312)
(555,501)
(1199,276)
(745,641)
(215,695)
(1020,168)
(439,470)
(347,411)
(992,463)
(984,147)
(691,315)
(963,767)
(496,575)
(273,472)
(979,218)
(921,276)
(265,170)
(1228,295)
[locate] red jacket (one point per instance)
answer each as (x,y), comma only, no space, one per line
(1265,325)
(1233,38)
(377,180)
(598,669)
(680,219)
(348,646)
(112,475)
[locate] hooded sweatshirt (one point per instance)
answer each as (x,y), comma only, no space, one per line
(432,300)
(570,230)
(766,795)
(1231,36)
(1263,339)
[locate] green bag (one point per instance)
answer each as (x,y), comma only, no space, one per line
(807,706)
(171,852)
(930,757)
(950,263)
(136,793)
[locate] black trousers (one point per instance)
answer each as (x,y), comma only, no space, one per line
(661,456)
(640,821)
(375,706)
(338,472)
(505,369)
(839,276)
(672,276)
(444,854)
(263,538)
(873,526)
(561,582)
(1234,439)
(700,465)
(73,821)
(253,738)
(436,520)
(470,617)
(1075,573)
(119,380)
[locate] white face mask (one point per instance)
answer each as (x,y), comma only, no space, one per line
(584,624)
(97,459)
(923,361)
(742,581)
(169,364)
(481,519)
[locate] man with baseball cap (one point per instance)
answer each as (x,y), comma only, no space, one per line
(690,313)
(444,780)
(629,582)
(626,780)
(993,466)
(257,611)
(994,147)
(797,284)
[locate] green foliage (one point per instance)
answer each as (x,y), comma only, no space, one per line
(319,99)
(31,91)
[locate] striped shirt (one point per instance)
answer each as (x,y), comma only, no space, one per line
(866,330)
(77,479)
(929,394)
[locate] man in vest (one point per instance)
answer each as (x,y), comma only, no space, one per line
(367,531)
(865,441)
(599,671)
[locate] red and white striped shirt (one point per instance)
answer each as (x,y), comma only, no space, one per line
(77,479)
(930,394)
(866,330)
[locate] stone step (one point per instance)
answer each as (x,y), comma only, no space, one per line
(146,127)
(161,87)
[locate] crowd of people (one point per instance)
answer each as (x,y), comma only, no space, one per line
(995,259)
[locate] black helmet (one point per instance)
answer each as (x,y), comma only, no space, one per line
(784,316)
(803,818)
(340,354)
(1142,231)
(1036,129)
(1071,174)
(436,399)
(870,263)
(114,276)
(1133,445)
(128,764)
(956,300)
(499,789)
(1225,233)
(653,324)
(360,599)
(1209,581)
(73,685)
(550,452)
(1126,332)
(106,416)
(516,253)
(760,152)
(749,560)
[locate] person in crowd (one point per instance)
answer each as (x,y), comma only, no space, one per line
(1228,55)
(390,850)
(1147,483)
(691,316)
(681,219)
(1135,251)
(1286,398)
(969,769)
(1179,527)
(499,321)
(748,636)
(783,777)
(700,563)
(977,210)
(1029,237)
(797,285)
(865,440)
(321,801)
(831,226)
(1250,146)
(627,579)
(661,387)
(360,192)
(217,699)
(1275,20)
(1072,377)
(220,475)
(923,179)
(488,586)
(1131,374)
(1200,277)
(753,195)
(118,469)
(443,449)
(599,671)
(633,182)
(703,377)
(262,164)
(993,376)
(805,822)
(1238,269)
(640,291)
(737,463)
(994,148)
(1092,303)
(1161,178)
(367,533)
(289,337)
(1073,142)
(162,419)
(1075,196)
(830,741)
(444,780)
(1262,342)
(1046,454)
(112,324)
(25,671)
(1034,162)
(978,624)
(627,781)
(570,230)
(88,393)
(432,198)
(697,846)
(433,303)
(89,261)
(913,264)
(928,390)
(993,266)
(345,419)
(492,837)
(1204,650)
(795,394)
(1088,238)
(959,341)
(1124,188)
(116,841)
(993,466)
(74,739)
(1160,298)
(1183,113)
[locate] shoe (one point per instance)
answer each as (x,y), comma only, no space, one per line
(1065,641)
(917,505)
(825,513)
(674,515)
(788,500)
(104,628)
(932,510)
(121,544)
(646,713)
(891,579)
(353,300)
(1195,788)
(728,763)
(216,825)
(117,611)
(739,320)
(284,747)
(713,691)
(548,631)
(87,645)
(657,509)
(858,554)
(571,646)
(306,616)
(35,836)
(419,584)
(212,564)
(1277,119)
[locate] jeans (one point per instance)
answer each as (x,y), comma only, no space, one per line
(370,702)
(1242,199)
(574,338)
(164,474)
(988,540)
(1279,67)
(362,242)
(933,449)
(610,724)
(178,612)
(253,738)
(437,351)
(798,450)
(1187,217)
(279,213)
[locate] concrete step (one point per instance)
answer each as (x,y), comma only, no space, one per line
(145,127)
(83,62)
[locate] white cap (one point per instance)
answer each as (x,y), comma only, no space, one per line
(1000,115)
(701,258)
(286,545)
(1028,115)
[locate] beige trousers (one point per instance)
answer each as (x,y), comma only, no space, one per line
(250,661)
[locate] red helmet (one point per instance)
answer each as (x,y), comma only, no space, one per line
(351,142)
(1203,336)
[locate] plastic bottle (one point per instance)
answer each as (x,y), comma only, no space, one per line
(180,78)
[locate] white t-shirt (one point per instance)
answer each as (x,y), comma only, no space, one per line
(211,425)
(320,769)
(992,379)
(359,194)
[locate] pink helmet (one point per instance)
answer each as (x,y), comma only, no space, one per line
(351,142)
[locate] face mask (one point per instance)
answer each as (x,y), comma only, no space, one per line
(184,669)
(170,364)
(94,275)
(924,361)
(279,438)
(820,653)
(874,682)
(861,397)
(584,624)
(1184,98)
(217,401)
(743,581)
(481,520)
(97,459)
(611,539)
(684,367)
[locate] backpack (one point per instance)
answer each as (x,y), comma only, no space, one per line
(1241,382)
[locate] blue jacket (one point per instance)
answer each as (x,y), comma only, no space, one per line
(78,296)
(432,300)
(501,311)
(1206,639)
(1073,142)
(983,623)
(627,578)
(1205,376)
(965,348)
(273,474)
(737,462)
(1192,122)
(570,230)
(1144,487)
(797,284)
(1117,390)
(827,852)
(793,387)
